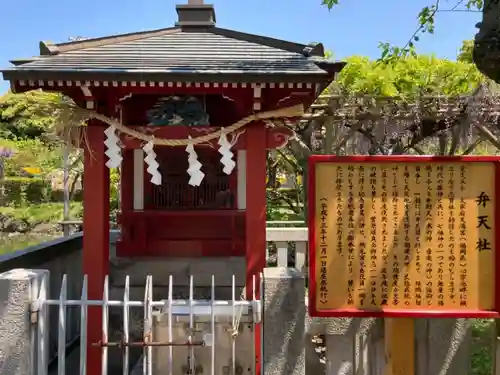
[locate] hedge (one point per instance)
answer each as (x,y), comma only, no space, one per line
(32,190)
(24,190)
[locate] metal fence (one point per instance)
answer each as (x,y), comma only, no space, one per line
(188,336)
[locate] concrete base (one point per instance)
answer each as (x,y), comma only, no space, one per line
(17,335)
(284,322)
(349,346)
(443,346)
(180,269)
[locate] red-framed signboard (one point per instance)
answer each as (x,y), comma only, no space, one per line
(403,236)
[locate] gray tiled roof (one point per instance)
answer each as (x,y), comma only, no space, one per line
(178,51)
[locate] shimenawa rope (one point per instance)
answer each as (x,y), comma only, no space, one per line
(293,111)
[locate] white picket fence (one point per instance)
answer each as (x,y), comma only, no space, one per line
(216,311)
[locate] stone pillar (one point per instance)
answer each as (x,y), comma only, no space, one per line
(283,322)
(349,345)
(18,338)
(443,346)
(376,348)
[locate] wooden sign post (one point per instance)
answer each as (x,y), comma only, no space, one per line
(403,237)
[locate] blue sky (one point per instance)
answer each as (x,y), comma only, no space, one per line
(353,27)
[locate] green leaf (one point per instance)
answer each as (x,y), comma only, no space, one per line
(330,3)
(407,76)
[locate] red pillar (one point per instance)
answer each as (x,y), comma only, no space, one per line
(255,254)
(95,235)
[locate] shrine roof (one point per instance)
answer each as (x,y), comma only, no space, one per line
(178,52)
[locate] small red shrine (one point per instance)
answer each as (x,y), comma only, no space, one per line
(178,83)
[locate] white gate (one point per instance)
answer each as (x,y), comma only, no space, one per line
(180,336)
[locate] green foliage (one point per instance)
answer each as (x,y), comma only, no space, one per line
(20,117)
(27,131)
(465,54)
(22,191)
(31,153)
(42,213)
(114,180)
(408,77)
(330,3)
(9,244)
(26,127)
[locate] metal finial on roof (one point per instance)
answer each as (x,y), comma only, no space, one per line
(195,2)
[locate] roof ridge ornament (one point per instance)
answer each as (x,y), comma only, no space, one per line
(195,14)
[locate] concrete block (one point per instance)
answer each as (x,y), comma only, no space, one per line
(180,269)
(283,322)
(443,346)
(18,353)
(349,344)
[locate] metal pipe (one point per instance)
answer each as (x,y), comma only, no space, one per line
(170,333)
(191,362)
(144,344)
(234,327)
(105,325)
(212,327)
(126,353)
